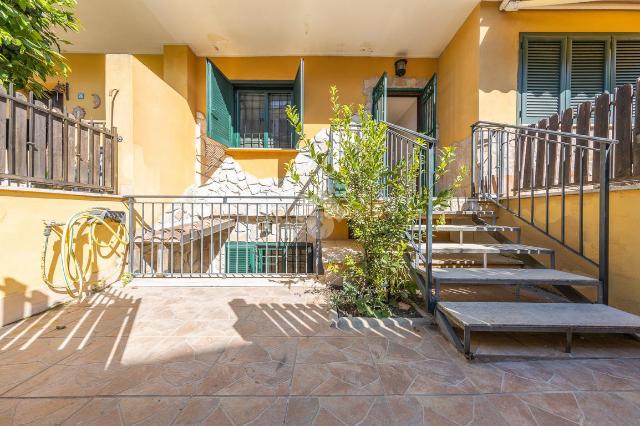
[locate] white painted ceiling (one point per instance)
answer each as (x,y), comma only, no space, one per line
(412,28)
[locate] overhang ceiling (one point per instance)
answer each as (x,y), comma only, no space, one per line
(515,5)
(412,28)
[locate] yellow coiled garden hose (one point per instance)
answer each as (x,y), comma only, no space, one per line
(75,281)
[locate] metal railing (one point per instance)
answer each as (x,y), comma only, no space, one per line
(41,146)
(520,167)
(209,236)
(403,146)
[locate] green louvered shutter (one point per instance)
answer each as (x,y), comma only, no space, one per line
(298,91)
(588,72)
(240,257)
(219,106)
(627,61)
(627,66)
(541,79)
(379,99)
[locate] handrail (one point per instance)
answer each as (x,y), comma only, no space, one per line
(487,124)
(411,132)
(511,163)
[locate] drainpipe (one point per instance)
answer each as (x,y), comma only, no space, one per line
(112,94)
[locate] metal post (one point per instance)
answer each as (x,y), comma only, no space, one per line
(318,249)
(473,161)
(131,233)
(603,256)
(429,226)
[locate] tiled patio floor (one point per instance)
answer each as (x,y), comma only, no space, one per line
(267,356)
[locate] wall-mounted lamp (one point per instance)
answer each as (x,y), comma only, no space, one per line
(401,67)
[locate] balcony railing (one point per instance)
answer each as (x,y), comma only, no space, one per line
(43,147)
(216,236)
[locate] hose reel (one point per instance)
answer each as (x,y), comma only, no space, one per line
(75,280)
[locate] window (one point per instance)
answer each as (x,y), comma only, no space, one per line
(268,257)
(251,114)
(559,71)
(261,119)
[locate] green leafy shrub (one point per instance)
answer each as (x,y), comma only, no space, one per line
(30,41)
(374,280)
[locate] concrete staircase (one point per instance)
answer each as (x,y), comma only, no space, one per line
(482,266)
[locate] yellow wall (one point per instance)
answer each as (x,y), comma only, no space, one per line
(499,48)
(347,73)
(157,154)
(22,291)
(458,83)
(155,63)
(179,72)
(86,76)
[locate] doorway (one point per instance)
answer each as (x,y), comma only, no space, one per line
(411,108)
(403,109)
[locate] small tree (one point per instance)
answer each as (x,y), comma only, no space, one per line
(29,41)
(379,223)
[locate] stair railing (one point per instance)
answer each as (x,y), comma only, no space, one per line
(521,167)
(403,145)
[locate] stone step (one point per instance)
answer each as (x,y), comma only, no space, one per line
(468,228)
(477,248)
(474,228)
(465,213)
(491,276)
(474,260)
(568,318)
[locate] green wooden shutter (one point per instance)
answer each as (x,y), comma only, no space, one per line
(298,91)
(219,106)
(427,102)
(541,78)
(379,99)
(588,70)
(627,66)
(240,257)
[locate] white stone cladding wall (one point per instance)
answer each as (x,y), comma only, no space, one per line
(229,179)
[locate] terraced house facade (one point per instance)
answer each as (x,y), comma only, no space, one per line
(177,116)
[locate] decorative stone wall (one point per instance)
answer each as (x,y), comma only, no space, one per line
(229,179)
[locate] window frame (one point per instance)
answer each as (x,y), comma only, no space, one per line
(566,63)
(260,248)
(267,89)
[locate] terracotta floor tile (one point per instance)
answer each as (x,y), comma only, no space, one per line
(258,378)
(602,409)
(424,377)
(39,411)
(202,410)
(258,411)
(323,350)
(260,349)
(302,411)
(339,378)
(231,356)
